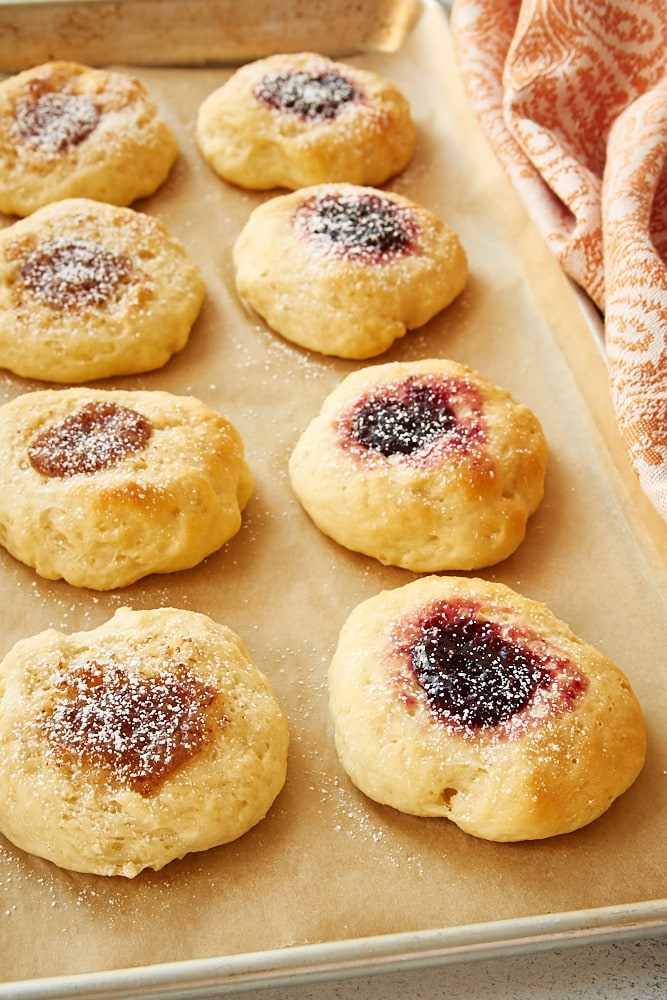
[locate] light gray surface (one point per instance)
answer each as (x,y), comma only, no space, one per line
(629,970)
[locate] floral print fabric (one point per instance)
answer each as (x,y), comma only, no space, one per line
(572,95)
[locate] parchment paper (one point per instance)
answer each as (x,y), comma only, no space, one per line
(327,864)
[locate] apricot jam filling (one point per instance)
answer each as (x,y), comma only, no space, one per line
(137,730)
(67,273)
(310,96)
(96,436)
(54,120)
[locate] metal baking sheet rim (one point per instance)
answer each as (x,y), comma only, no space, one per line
(360,956)
(345,959)
(194,32)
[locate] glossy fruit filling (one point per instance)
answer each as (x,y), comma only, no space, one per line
(362,225)
(96,436)
(479,673)
(309,96)
(472,674)
(137,729)
(411,417)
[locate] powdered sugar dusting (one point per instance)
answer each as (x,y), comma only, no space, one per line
(96,436)
(308,95)
(54,121)
(136,729)
(68,273)
(415,419)
(364,226)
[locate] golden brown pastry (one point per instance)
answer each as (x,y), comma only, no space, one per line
(295,119)
(72,131)
(425,465)
(103,487)
(130,745)
(89,290)
(460,698)
(346,270)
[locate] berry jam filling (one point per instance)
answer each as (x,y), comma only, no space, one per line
(96,436)
(410,417)
(54,120)
(478,673)
(365,225)
(472,675)
(401,427)
(136,729)
(69,274)
(307,95)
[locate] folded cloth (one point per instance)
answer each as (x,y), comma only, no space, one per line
(572,95)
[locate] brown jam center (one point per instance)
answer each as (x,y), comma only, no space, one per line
(70,274)
(136,729)
(96,436)
(54,120)
(472,674)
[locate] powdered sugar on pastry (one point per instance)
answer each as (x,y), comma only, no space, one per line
(345,269)
(425,465)
(130,745)
(90,290)
(103,487)
(461,698)
(69,130)
(293,120)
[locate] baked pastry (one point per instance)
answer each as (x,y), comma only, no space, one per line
(89,290)
(295,119)
(72,131)
(460,698)
(344,269)
(425,465)
(104,487)
(130,745)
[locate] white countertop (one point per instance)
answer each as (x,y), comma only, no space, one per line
(627,970)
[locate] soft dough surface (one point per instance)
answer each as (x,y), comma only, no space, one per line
(73,131)
(345,269)
(90,290)
(89,726)
(259,146)
(164,506)
(551,767)
(458,501)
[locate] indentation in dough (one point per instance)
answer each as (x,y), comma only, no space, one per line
(447,796)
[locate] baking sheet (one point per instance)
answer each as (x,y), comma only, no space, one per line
(330,880)
(187,32)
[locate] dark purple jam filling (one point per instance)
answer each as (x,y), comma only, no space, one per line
(403,426)
(363,225)
(138,729)
(471,674)
(308,95)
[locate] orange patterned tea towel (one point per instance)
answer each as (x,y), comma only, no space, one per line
(572,95)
